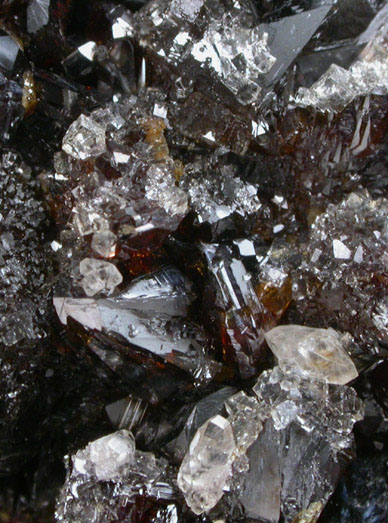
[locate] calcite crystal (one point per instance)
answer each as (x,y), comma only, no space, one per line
(100,468)
(317,352)
(84,138)
(208,465)
(98,276)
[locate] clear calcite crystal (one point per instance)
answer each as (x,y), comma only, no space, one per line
(111,467)
(337,87)
(160,188)
(207,465)
(99,275)
(104,243)
(237,55)
(85,138)
(109,455)
(215,198)
(132,187)
(317,352)
(245,416)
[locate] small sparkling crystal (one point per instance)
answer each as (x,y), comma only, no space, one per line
(84,138)
(104,243)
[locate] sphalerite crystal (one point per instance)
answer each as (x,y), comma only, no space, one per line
(193,261)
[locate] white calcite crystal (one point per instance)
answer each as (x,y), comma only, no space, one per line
(160,188)
(111,468)
(111,454)
(104,243)
(317,352)
(99,275)
(207,465)
(84,138)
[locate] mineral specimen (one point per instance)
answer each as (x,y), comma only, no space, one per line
(343,268)
(198,189)
(306,434)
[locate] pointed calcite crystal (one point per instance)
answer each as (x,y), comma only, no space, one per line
(207,465)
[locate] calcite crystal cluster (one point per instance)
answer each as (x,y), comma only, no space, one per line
(194,261)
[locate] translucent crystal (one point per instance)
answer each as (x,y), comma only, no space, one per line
(87,221)
(341,286)
(186,9)
(246,419)
(160,188)
(84,138)
(207,465)
(215,198)
(337,87)
(205,408)
(333,90)
(37,15)
(111,454)
(317,352)
(237,55)
(99,276)
(111,468)
(104,243)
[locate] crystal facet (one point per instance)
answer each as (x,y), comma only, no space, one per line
(207,465)
(84,138)
(99,276)
(317,352)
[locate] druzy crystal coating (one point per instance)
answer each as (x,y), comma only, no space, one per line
(193,261)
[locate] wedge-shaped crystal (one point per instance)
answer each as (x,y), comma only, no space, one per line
(207,465)
(317,352)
